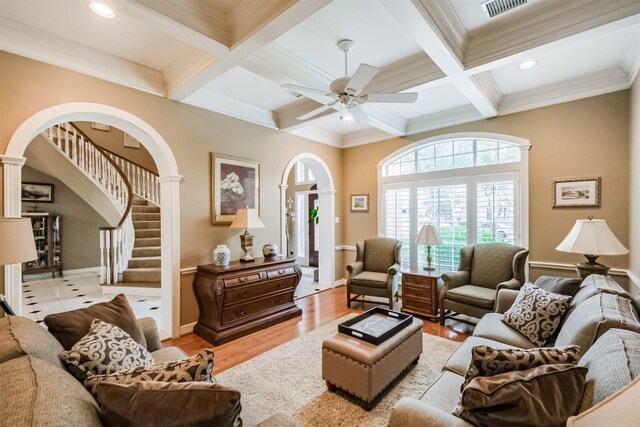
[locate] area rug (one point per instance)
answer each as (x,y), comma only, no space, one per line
(288,379)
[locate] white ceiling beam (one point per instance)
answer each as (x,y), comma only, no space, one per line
(599,83)
(558,21)
(425,22)
(442,119)
(36,44)
(265,35)
(186,34)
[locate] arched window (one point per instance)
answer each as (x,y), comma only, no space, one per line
(472,187)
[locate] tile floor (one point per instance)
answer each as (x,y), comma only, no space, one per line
(43,296)
(307,286)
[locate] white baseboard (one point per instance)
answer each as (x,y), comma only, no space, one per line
(131,290)
(339,282)
(187,329)
(188,270)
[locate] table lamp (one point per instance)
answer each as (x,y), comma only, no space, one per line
(16,245)
(429,236)
(592,238)
(246,218)
(615,410)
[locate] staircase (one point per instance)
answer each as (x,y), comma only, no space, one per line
(144,266)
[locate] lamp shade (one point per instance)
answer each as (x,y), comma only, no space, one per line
(16,241)
(615,410)
(593,237)
(429,235)
(246,218)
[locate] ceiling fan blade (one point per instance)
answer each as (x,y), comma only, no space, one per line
(362,77)
(405,98)
(315,112)
(306,90)
(359,114)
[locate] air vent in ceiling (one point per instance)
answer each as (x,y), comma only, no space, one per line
(294,93)
(496,7)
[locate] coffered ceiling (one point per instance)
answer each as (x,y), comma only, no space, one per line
(233,56)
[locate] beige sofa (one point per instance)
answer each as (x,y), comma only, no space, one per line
(43,392)
(602,320)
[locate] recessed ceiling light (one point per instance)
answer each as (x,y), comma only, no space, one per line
(102,9)
(526,65)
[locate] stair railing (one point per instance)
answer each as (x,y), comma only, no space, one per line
(116,243)
(144,182)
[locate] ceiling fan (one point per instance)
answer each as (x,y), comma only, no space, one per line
(347,92)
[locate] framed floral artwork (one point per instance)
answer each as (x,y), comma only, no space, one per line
(235,183)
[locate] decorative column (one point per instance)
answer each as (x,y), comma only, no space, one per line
(327,226)
(284,249)
(12,180)
(170,253)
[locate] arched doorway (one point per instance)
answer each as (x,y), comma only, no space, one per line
(327,203)
(13,160)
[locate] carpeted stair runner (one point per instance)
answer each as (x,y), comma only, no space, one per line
(144,266)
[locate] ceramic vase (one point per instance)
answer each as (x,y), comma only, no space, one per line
(270,250)
(221,255)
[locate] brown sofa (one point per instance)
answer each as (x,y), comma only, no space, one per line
(602,320)
(43,392)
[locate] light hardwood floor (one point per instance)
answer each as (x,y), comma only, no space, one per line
(317,310)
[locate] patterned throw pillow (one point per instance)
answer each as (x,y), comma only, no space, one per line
(104,350)
(536,313)
(195,368)
(487,361)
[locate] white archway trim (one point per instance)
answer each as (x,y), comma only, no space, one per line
(13,160)
(326,202)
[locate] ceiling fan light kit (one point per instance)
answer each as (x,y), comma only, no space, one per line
(347,91)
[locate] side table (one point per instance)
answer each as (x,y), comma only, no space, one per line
(420,292)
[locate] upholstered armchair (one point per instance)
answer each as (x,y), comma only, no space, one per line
(375,272)
(484,269)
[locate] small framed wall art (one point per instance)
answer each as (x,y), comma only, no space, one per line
(100,126)
(36,192)
(235,183)
(360,202)
(130,141)
(576,192)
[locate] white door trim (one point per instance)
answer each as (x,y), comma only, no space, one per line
(13,159)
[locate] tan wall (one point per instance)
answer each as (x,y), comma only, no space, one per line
(584,138)
(113,140)
(80,222)
(634,121)
(27,87)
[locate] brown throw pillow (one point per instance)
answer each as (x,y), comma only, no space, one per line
(536,313)
(104,350)
(544,396)
(487,361)
(195,368)
(159,404)
(70,326)
(559,285)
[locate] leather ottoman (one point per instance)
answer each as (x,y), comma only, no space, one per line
(365,370)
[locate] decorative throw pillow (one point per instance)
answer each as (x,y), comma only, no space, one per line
(559,285)
(70,326)
(488,361)
(159,404)
(536,313)
(544,396)
(195,368)
(104,350)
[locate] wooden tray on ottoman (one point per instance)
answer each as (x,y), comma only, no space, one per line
(376,325)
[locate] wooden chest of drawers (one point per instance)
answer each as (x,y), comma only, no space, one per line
(420,292)
(242,298)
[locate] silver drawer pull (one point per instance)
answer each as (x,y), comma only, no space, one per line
(240,312)
(281,271)
(243,295)
(243,279)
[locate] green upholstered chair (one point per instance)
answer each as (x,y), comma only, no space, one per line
(375,272)
(484,269)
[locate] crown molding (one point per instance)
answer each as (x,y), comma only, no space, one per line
(41,46)
(213,101)
(599,83)
(442,119)
(444,17)
(488,85)
(188,65)
(631,60)
(317,134)
(559,20)
(386,119)
(363,137)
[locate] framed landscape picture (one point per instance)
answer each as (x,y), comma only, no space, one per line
(235,183)
(360,202)
(576,192)
(35,192)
